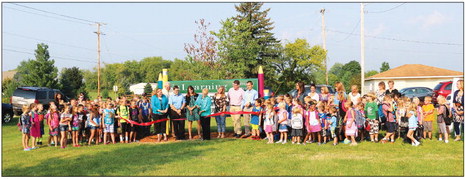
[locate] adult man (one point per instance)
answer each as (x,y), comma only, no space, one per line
(392,90)
(250,95)
(177,103)
(167,91)
(236,96)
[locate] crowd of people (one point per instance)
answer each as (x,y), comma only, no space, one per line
(300,117)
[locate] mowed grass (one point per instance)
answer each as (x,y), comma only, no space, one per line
(231,157)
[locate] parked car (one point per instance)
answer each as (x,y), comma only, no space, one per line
(318,89)
(420,92)
(443,89)
(27,95)
(7,112)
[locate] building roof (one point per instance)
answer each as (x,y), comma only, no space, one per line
(416,71)
(8,74)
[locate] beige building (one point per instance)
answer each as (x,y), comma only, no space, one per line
(411,75)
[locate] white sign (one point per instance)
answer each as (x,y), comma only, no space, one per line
(115,88)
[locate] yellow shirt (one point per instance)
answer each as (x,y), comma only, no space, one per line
(427,108)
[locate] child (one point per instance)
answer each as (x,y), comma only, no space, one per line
(333,123)
(313,123)
(388,108)
(41,113)
(322,116)
(255,120)
(75,126)
(360,120)
(123,113)
(53,123)
(412,123)
(349,119)
(25,123)
(109,123)
(442,114)
(94,123)
(428,113)
(371,109)
(145,110)
(35,125)
(65,125)
(282,121)
(134,116)
(354,95)
(297,125)
(269,120)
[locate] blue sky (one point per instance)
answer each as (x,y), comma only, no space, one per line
(138,30)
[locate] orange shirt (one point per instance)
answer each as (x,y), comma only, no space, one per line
(427,108)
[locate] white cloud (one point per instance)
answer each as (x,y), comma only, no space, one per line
(434,19)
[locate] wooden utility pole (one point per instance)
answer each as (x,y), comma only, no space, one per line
(98,57)
(323,33)
(362,47)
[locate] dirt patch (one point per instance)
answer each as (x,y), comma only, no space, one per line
(214,135)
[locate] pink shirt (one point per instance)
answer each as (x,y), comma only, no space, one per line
(236,96)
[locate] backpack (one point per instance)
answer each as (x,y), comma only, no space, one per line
(359,119)
(446,117)
(297,122)
(380,111)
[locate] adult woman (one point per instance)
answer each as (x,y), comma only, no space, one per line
(340,98)
(59,102)
(324,96)
(159,104)
(313,94)
(192,112)
(300,91)
(204,103)
(458,110)
(220,106)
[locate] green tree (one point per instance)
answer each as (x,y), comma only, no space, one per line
(40,72)
(299,63)
(90,79)
(335,73)
(351,74)
(71,80)
(384,67)
(148,89)
(150,67)
(370,73)
(8,87)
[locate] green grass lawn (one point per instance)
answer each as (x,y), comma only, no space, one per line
(231,157)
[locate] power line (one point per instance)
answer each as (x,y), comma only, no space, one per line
(387,9)
(58,43)
(401,40)
(64,58)
(400,50)
(353,30)
(47,15)
(71,17)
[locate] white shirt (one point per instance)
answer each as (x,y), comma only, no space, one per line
(315,97)
(354,98)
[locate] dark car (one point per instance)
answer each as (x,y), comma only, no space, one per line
(420,92)
(318,89)
(7,112)
(443,89)
(27,95)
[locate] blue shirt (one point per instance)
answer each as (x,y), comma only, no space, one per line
(158,104)
(108,119)
(204,104)
(322,118)
(249,97)
(255,118)
(413,120)
(333,121)
(177,100)
(145,108)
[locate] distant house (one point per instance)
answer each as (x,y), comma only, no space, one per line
(139,87)
(411,75)
(8,74)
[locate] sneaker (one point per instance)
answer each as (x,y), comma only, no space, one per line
(319,143)
(27,149)
(446,141)
(293,142)
(324,142)
(284,142)
(457,140)
(440,139)
(298,143)
(334,144)
(279,141)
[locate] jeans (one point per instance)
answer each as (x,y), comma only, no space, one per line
(457,127)
(221,122)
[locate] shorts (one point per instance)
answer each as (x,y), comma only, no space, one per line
(132,128)
(374,126)
(125,127)
(25,130)
(428,126)
(412,128)
(296,132)
(323,132)
(93,127)
(391,127)
(269,128)
(254,126)
(75,128)
(64,128)
(42,132)
(109,128)
(333,132)
(54,132)
(442,128)
(283,128)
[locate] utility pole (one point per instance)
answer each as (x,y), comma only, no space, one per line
(362,46)
(323,33)
(98,56)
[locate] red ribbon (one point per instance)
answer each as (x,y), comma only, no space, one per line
(234,113)
(150,123)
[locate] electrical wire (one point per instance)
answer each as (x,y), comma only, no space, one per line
(66,16)
(387,9)
(63,58)
(353,30)
(47,16)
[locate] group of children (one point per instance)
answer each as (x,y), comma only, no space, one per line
(340,118)
(84,122)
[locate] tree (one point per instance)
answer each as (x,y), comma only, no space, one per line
(8,87)
(204,49)
(71,80)
(335,73)
(148,89)
(90,79)
(384,67)
(299,63)
(351,74)
(39,72)
(370,73)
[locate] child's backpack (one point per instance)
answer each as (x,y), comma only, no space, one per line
(380,111)
(359,119)
(446,117)
(297,122)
